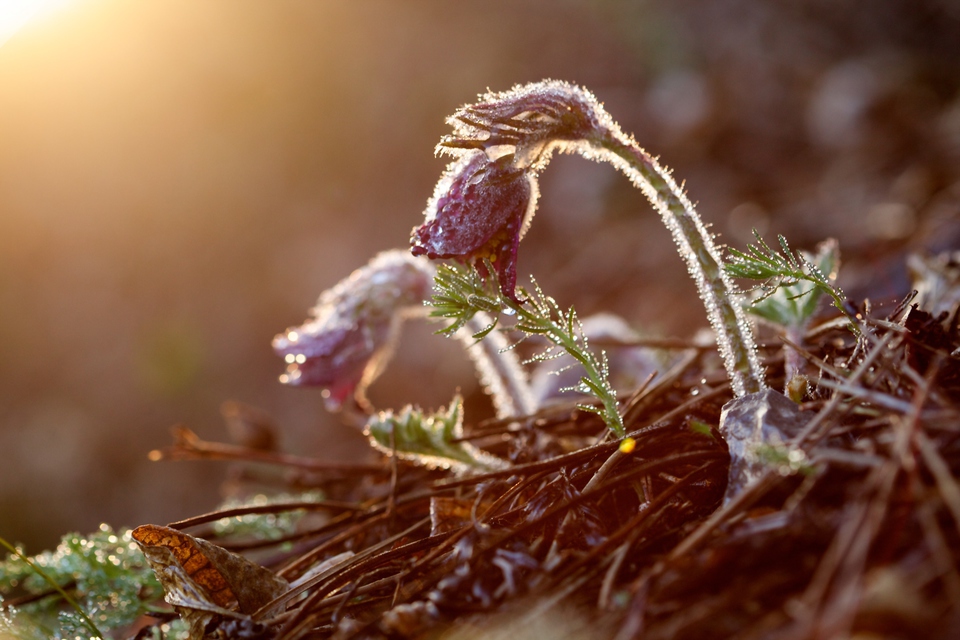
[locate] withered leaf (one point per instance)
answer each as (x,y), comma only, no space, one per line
(202,580)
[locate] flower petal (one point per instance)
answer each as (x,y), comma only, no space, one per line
(479,209)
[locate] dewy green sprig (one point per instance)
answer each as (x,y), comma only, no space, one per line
(485,200)
(786,271)
(434,440)
(103,577)
(462,293)
(791,285)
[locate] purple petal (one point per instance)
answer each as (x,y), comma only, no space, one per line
(474,202)
(479,210)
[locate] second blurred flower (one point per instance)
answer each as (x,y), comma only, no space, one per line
(350,336)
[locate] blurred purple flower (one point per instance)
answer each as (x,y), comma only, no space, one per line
(350,337)
(479,210)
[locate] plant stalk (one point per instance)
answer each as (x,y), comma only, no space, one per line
(499,369)
(727,317)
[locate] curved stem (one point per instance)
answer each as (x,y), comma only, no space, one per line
(695,243)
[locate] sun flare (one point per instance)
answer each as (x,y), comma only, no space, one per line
(14,14)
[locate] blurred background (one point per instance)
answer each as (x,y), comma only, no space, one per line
(179,180)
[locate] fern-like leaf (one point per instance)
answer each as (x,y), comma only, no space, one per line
(432,440)
(462,292)
(791,282)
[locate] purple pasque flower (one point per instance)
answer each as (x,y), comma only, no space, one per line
(348,340)
(483,203)
(480,209)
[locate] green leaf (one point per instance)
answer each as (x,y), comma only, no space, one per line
(791,283)
(698,426)
(462,292)
(794,301)
(104,575)
(430,440)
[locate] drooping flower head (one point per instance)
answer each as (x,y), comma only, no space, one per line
(346,343)
(485,200)
(479,210)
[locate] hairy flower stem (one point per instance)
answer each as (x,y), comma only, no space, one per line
(733,330)
(499,369)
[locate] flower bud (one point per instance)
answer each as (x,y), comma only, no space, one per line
(527,121)
(484,202)
(479,210)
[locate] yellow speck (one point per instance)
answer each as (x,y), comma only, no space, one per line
(628,445)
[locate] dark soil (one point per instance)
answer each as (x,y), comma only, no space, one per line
(862,538)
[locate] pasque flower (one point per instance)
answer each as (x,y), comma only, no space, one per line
(529,122)
(350,336)
(487,196)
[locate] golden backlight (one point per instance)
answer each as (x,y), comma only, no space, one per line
(14,14)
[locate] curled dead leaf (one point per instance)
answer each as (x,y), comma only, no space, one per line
(202,580)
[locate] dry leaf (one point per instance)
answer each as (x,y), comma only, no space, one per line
(202,580)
